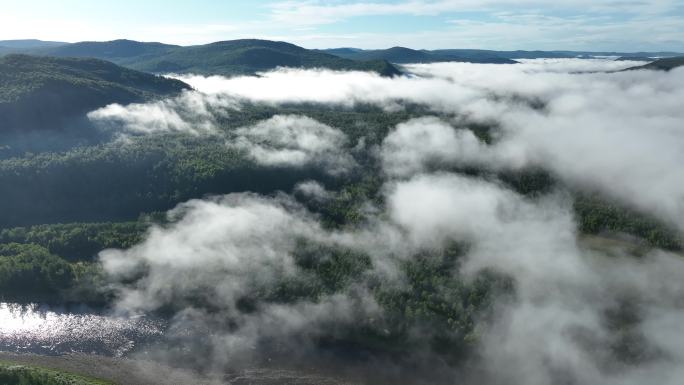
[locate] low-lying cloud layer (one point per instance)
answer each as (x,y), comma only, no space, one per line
(191,112)
(577,315)
(589,126)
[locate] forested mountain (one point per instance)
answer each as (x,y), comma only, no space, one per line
(44,92)
(233,57)
(661,64)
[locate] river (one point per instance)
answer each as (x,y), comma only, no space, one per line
(92,343)
(46,330)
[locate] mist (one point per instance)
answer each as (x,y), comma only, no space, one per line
(562,320)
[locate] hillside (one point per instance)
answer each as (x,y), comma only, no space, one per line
(661,64)
(234,57)
(44,92)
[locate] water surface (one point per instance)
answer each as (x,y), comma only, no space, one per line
(41,329)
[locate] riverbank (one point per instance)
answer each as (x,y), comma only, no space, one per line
(121,371)
(12,373)
(114,371)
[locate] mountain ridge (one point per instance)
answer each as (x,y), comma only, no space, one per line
(38,92)
(665,64)
(29,43)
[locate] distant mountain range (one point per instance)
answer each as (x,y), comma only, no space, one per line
(635,58)
(46,92)
(248,56)
(29,44)
(234,57)
(402,55)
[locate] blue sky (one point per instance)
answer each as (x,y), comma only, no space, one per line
(620,25)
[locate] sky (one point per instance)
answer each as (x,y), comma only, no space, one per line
(598,25)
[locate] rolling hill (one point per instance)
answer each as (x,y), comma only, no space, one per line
(44,92)
(233,57)
(661,64)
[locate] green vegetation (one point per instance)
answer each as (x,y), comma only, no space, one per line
(42,92)
(20,374)
(30,273)
(432,301)
(445,309)
(77,241)
(597,215)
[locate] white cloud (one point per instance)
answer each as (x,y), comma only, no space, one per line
(313,190)
(191,112)
(424,142)
(287,85)
(291,140)
(224,246)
